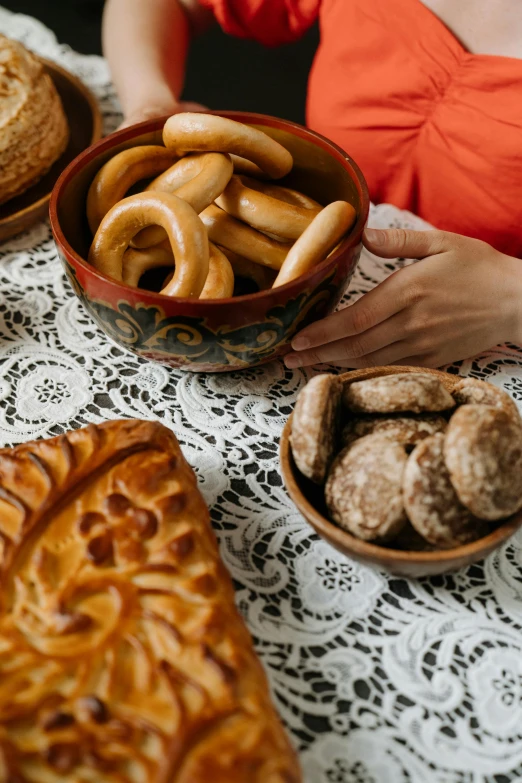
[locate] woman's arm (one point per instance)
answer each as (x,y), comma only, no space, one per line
(146,43)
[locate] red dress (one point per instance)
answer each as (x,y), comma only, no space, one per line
(435,129)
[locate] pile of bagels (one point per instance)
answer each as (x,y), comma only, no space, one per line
(404,462)
(209,213)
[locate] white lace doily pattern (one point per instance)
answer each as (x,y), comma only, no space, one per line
(379,680)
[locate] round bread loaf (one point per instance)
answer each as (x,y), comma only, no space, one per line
(431,502)
(471,391)
(364,488)
(33,127)
(314,426)
(483,453)
(406,430)
(413,392)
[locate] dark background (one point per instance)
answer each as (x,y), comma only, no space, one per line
(223,72)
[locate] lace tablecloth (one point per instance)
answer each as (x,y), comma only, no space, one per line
(378,679)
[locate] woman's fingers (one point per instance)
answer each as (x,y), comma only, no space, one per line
(395,353)
(346,349)
(370,310)
(402,243)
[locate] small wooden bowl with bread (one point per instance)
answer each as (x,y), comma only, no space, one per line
(413,471)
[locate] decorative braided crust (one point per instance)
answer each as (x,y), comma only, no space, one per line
(122,655)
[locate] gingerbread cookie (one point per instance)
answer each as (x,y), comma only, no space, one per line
(413,392)
(483,453)
(364,488)
(406,430)
(314,426)
(431,502)
(408,540)
(471,391)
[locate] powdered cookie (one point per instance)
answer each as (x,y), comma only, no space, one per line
(314,426)
(470,391)
(483,453)
(406,430)
(364,488)
(431,502)
(415,392)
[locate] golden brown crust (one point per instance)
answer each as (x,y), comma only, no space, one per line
(122,654)
(33,126)
(197,132)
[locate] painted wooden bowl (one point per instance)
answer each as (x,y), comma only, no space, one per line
(309,500)
(212,335)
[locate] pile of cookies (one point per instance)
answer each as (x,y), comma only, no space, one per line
(205,212)
(405,463)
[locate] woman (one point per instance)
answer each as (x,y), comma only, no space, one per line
(426,95)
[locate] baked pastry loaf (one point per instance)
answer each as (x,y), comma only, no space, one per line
(33,126)
(122,655)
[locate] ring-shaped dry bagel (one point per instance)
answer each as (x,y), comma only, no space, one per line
(137,262)
(198,179)
(218,285)
(195,132)
(316,241)
(120,173)
(243,166)
(187,236)
(230,233)
(282,193)
(220,279)
(261,275)
(264,212)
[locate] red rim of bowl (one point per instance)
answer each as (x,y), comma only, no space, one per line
(246,117)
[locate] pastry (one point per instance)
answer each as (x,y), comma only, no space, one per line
(413,392)
(33,127)
(314,426)
(483,453)
(122,655)
(431,503)
(474,392)
(363,491)
(406,430)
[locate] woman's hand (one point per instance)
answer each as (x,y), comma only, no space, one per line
(462,298)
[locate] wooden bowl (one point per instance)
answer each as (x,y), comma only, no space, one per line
(308,499)
(85,125)
(204,335)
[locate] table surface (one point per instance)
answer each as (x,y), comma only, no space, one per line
(379,679)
